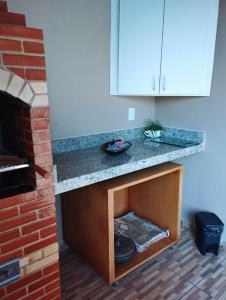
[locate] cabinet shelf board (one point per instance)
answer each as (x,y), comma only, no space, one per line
(139,259)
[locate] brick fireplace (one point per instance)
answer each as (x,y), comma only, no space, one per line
(27,219)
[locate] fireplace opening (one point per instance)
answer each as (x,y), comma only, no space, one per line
(17,174)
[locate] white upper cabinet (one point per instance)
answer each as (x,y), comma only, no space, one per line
(162,47)
(140,42)
(188,47)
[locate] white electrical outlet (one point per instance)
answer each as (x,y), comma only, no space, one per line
(131,114)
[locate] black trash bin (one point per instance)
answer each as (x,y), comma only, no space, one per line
(208,232)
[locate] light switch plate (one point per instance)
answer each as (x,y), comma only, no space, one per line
(131,114)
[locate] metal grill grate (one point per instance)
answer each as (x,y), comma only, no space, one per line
(11,167)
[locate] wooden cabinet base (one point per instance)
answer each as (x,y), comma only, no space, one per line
(89,212)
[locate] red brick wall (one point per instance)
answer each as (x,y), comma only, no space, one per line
(26,48)
(28,221)
(43,285)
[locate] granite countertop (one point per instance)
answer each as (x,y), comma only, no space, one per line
(78,166)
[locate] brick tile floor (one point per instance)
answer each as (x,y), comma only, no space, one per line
(178,273)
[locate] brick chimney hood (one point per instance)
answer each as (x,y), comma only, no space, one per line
(28,221)
(22,71)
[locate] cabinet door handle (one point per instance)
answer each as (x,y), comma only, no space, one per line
(153,83)
(163,83)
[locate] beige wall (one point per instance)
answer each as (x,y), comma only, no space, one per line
(77,42)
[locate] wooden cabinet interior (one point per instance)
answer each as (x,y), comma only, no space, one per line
(88,215)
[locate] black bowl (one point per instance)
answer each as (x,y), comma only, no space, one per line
(125,249)
(105,146)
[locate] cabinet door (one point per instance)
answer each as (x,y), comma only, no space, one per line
(140,42)
(188,47)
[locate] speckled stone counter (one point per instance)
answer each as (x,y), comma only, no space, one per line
(77,166)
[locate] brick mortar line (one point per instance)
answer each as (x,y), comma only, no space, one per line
(27,131)
(10,252)
(26,68)
(15,217)
(22,53)
(33,292)
(41,249)
(13,205)
(49,226)
(32,143)
(38,200)
(16,291)
(54,281)
(22,39)
(30,119)
(52,215)
(22,45)
(38,230)
(7,208)
(54,290)
(41,130)
(56,260)
(35,154)
(36,130)
(48,205)
(18,217)
(18,238)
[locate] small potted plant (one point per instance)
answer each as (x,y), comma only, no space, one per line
(153,129)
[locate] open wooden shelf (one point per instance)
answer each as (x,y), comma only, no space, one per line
(89,212)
